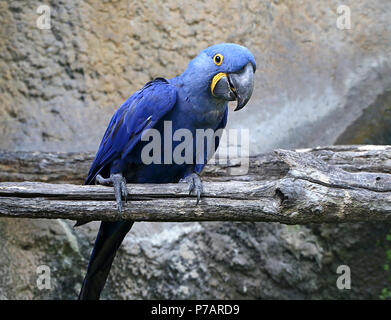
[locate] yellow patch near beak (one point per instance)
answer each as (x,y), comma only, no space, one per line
(216,79)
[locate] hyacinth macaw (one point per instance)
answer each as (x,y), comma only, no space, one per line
(197,99)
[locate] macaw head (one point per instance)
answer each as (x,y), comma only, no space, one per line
(223,72)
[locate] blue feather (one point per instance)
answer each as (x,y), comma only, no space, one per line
(140,112)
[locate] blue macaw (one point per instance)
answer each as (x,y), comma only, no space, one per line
(197,99)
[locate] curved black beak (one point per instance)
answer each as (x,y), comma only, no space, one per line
(235,86)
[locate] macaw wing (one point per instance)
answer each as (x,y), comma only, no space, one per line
(140,112)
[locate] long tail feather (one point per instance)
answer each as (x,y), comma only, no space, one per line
(107,242)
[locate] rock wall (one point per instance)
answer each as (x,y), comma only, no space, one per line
(315,84)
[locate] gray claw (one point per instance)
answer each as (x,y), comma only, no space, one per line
(198,196)
(195,185)
(119,184)
(103,181)
(124,190)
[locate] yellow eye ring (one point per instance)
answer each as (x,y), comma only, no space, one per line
(218,59)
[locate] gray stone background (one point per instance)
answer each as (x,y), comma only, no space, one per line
(315,85)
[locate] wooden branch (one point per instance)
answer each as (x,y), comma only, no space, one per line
(342,183)
(44,166)
(73,167)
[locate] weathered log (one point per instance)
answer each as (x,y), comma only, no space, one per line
(52,167)
(73,167)
(334,184)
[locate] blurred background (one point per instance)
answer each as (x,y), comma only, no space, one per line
(316,84)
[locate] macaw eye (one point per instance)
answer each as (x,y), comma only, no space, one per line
(218,59)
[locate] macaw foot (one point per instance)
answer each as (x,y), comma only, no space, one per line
(195,185)
(119,183)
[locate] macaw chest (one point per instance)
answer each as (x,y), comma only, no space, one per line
(177,143)
(169,152)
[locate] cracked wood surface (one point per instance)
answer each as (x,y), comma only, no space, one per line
(330,184)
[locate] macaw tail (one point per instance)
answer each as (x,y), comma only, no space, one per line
(107,242)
